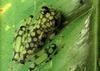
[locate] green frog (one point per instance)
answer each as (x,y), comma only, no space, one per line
(31,36)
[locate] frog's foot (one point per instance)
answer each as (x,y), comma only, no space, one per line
(51,51)
(32,67)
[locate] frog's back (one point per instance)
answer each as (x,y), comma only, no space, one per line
(30,38)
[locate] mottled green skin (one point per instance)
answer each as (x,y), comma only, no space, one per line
(31,36)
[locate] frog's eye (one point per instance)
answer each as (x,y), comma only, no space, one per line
(44,10)
(31,16)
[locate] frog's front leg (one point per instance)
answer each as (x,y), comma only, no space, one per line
(51,35)
(51,51)
(44,56)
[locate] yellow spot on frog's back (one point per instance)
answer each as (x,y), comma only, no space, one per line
(30,51)
(52,13)
(41,35)
(48,15)
(16,56)
(44,20)
(51,17)
(17,44)
(7,28)
(33,34)
(5,8)
(35,39)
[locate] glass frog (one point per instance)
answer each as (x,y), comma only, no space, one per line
(31,36)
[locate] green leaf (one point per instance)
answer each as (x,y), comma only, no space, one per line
(74,47)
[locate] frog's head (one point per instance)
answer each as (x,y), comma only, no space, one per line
(51,15)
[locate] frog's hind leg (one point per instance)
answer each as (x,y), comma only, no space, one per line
(44,56)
